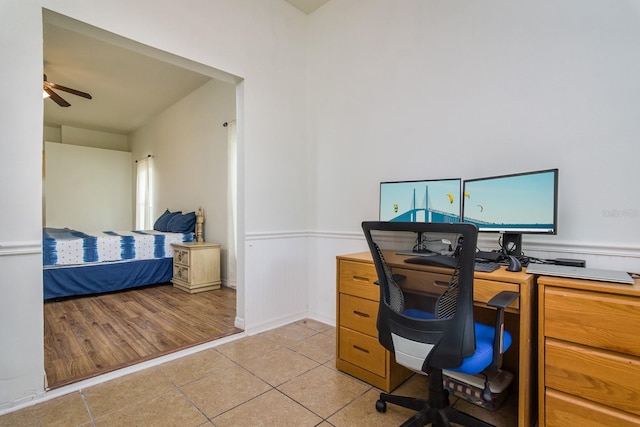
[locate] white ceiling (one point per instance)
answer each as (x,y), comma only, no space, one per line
(128,87)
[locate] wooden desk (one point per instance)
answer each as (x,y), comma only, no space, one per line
(589,359)
(358,352)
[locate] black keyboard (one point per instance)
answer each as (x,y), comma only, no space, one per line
(450,262)
(486,267)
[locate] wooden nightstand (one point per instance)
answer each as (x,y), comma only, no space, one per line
(196,266)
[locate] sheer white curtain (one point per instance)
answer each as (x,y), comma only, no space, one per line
(144,186)
(232,197)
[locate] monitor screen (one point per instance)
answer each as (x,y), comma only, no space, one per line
(518,203)
(436,200)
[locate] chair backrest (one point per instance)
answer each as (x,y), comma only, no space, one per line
(428,326)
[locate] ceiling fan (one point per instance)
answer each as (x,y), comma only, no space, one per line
(48,89)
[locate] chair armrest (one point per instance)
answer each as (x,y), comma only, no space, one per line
(503,299)
(500,301)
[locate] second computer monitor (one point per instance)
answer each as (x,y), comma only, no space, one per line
(523,203)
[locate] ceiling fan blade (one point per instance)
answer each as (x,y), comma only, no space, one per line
(56,98)
(66,89)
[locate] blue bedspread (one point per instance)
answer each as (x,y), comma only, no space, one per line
(64,246)
(78,263)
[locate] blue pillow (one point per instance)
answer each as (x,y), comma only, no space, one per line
(182,223)
(162,220)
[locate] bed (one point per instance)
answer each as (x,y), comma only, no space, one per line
(83,263)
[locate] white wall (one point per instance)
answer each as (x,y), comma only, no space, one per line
(87,189)
(94,138)
(51,134)
(21,320)
(264,42)
(189,147)
(434,89)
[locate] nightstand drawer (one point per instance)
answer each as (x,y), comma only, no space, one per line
(363,351)
(358,279)
(180,272)
(359,314)
(181,256)
(597,319)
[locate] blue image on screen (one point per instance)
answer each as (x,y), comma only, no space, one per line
(421,201)
(524,203)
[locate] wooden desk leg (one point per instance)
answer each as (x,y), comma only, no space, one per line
(526,382)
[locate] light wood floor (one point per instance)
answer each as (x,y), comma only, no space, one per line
(88,336)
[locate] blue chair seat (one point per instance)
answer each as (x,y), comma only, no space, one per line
(483,355)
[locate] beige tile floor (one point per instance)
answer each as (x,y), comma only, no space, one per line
(283,377)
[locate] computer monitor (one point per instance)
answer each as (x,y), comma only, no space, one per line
(523,203)
(433,200)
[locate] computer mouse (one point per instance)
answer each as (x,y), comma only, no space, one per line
(514,264)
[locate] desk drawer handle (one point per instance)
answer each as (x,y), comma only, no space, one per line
(361,314)
(364,350)
(360,278)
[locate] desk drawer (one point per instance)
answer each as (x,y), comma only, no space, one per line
(565,410)
(359,314)
(363,351)
(423,282)
(596,319)
(484,290)
(600,376)
(357,278)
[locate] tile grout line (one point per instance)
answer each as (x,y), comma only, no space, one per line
(88,408)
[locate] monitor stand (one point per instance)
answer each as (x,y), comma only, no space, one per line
(419,247)
(512,243)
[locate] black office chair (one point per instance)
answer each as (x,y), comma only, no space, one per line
(428,329)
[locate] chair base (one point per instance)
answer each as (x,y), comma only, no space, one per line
(435,410)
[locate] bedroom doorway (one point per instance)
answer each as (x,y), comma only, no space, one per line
(94,124)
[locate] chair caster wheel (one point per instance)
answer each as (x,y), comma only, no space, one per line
(381,406)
